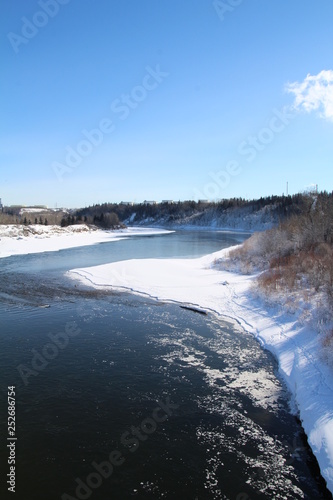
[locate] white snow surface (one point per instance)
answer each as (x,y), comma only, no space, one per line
(195,282)
(35,238)
(297,348)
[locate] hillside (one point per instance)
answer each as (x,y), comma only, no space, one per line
(295,265)
(235,213)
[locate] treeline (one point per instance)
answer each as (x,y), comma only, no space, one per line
(108,220)
(41,221)
(70,220)
(105,220)
(141,210)
(17,215)
(112,215)
(172,211)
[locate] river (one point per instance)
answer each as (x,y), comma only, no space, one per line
(120,397)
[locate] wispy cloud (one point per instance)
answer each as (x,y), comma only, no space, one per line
(314,93)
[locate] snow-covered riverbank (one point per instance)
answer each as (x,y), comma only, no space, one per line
(197,282)
(35,238)
(297,348)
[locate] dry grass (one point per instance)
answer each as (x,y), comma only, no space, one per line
(312,267)
(294,263)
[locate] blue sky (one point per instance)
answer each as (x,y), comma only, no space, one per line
(107,100)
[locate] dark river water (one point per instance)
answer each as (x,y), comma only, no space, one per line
(120,397)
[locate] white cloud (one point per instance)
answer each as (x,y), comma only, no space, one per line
(315,93)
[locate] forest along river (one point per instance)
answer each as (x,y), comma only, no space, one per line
(121,397)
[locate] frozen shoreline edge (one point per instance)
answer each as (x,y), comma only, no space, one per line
(23,240)
(228,295)
(295,347)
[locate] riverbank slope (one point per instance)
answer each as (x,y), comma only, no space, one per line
(198,283)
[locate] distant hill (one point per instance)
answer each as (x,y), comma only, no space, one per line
(31,215)
(235,213)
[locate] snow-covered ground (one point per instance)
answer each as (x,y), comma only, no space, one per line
(35,238)
(197,282)
(297,348)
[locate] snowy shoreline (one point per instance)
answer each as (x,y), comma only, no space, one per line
(195,282)
(35,238)
(296,347)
